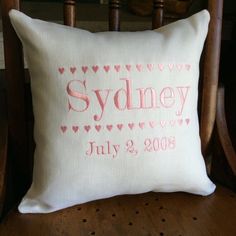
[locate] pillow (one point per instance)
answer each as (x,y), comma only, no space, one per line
(115,112)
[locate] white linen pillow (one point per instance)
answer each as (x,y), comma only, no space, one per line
(115,112)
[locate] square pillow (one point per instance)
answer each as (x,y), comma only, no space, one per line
(115,112)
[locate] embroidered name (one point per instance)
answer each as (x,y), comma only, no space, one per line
(122,98)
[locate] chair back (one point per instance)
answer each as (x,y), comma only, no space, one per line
(19,104)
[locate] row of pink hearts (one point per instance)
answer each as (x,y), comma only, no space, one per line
(131,126)
(138,67)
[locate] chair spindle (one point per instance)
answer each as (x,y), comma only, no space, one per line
(69,12)
(157,15)
(14,68)
(210,73)
(114,15)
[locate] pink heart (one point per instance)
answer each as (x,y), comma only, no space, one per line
(187,121)
(84,69)
(72,70)
(106,68)
(63,129)
(61,70)
(152,124)
(141,125)
(188,67)
(179,67)
(95,68)
(150,67)
(131,125)
(87,127)
(119,126)
(160,67)
(75,128)
(98,127)
(180,121)
(139,67)
(117,68)
(171,66)
(172,122)
(109,127)
(128,67)
(163,123)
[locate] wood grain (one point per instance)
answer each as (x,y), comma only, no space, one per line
(211,73)
(3,149)
(145,214)
(14,76)
(69,12)
(223,131)
(158,14)
(114,15)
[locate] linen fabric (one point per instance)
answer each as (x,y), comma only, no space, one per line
(115,112)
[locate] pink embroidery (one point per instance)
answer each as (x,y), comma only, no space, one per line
(84,69)
(130,147)
(87,128)
(106,148)
(179,66)
(171,66)
(145,95)
(117,68)
(78,95)
(109,127)
(127,92)
(152,124)
(141,125)
(98,127)
(180,121)
(139,67)
(167,97)
(128,67)
(187,121)
(95,68)
(183,92)
(75,128)
(150,67)
(109,149)
(160,67)
(159,144)
(63,128)
(106,68)
(102,102)
(72,70)
(163,123)
(131,125)
(121,99)
(119,126)
(188,67)
(61,70)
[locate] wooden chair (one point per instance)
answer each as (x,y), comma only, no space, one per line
(145,214)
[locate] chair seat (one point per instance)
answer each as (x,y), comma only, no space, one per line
(175,214)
